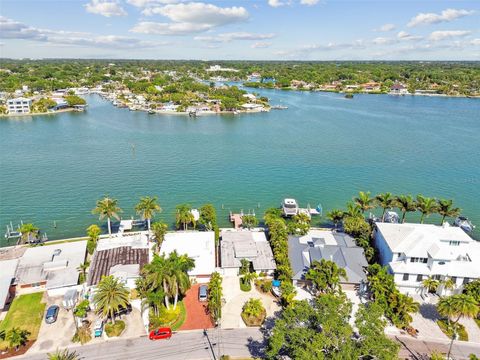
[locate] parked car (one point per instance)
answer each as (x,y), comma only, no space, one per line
(98,328)
(202,293)
(160,333)
(52,314)
(123,310)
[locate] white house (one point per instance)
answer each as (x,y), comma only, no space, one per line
(199,245)
(19,105)
(414,252)
(7,279)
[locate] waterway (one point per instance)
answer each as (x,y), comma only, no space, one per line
(323,149)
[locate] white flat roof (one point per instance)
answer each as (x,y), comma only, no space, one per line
(135,241)
(31,268)
(199,245)
(418,240)
(7,273)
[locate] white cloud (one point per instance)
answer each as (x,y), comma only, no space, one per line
(382,41)
(276,3)
(403,35)
(385,28)
(260,45)
(11,29)
(190,18)
(145,3)
(105,8)
(433,18)
(228,37)
(448,34)
(200,13)
(309,2)
(475,42)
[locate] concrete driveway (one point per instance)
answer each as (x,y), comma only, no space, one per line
(60,333)
(236,298)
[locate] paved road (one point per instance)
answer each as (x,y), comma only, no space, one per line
(238,342)
(182,346)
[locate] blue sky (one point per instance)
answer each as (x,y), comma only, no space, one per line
(240,29)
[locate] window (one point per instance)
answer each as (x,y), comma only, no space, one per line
(436,277)
(419,277)
(454,243)
(405,277)
(466,281)
(420,260)
(454,279)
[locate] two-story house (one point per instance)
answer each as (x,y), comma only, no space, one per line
(414,252)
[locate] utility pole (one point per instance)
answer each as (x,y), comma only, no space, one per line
(205,333)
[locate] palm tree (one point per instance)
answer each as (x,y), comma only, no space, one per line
(353,210)
(29,231)
(93,232)
(457,306)
(17,337)
(178,277)
(107,208)
(446,209)
(253,308)
(386,201)
(430,284)
(83,268)
(147,207)
(364,201)
(63,355)
(426,206)
(335,216)
(184,216)
(159,231)
(111,294)
(325,275)
(215,296)
(249,221)
(448,284)
(406,204)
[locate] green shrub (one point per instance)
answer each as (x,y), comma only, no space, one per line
(173,318)
(83,334)
(448,329)
(116,329)
(91,245)
(245,285)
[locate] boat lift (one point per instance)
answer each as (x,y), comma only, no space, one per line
(11,233)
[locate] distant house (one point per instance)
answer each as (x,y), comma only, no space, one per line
(121,256)
(414,252)
(253,246)
(199,245)
(51,267)
(7,280)
(398,89)
(321,244)
(19,105)
(371,86)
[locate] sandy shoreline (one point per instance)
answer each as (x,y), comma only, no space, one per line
(36,114)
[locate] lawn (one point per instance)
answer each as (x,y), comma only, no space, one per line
(169,318)
(447,330)
(115,329)
(26,312)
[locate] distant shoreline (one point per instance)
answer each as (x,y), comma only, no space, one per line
(37,114)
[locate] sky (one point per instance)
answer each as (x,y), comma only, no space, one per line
(241,29)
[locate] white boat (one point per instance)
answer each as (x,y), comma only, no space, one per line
(289,207)
(391,217)
(196,214)
(465,224)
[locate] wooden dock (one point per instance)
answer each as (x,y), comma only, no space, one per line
(236,220)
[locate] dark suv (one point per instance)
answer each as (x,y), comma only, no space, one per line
(123,310)
(52,313)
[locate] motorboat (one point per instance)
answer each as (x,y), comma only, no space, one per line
(391,217)
(465,224)
(289,207)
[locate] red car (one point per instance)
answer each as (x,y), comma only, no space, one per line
(160,333)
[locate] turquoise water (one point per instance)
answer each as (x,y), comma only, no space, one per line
(323,149)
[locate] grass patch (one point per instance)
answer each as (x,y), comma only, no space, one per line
(448,330)
(172,318)
(26,313)
(245,285)
(116,329)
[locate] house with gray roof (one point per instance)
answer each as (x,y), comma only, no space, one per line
(321,244)
(253,246)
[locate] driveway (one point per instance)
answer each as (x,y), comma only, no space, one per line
(197,312)
(236,298)
(58,334)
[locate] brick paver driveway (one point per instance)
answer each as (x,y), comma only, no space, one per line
(197,316)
